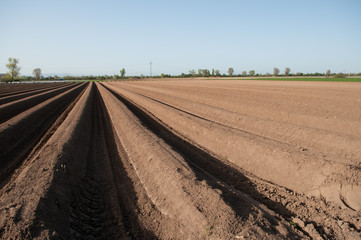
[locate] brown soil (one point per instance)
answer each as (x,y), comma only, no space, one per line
(14,89)
(13,108)
(16,96)
(181,160)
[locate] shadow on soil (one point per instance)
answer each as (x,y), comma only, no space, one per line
(210,169)
(53,213)
(33,128)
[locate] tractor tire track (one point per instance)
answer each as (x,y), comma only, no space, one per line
(89,218)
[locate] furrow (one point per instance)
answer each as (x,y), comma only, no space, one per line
(238,205)
(19,96)
(297,170)
(330,145)
(13,89)
(11,109)
(22,133)
(283,200)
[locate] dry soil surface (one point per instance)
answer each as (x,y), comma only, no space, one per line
(181,160)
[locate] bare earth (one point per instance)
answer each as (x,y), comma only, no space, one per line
(181,159)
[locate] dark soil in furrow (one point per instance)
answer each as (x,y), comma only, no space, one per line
(92,196)
(207,167)
(12,89)
(11,109)
(89,216)
(135,207)
(325,218)
(100,211)
(15,150)
(14,97)
(202,160)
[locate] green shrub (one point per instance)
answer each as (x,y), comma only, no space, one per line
(339,75)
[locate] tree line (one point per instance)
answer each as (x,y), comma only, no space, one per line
(13,74)
(252,73)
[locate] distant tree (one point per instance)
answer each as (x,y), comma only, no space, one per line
(192,72)
(252,72)
(244,73)
(37,73)
(230,71)
(164,75)
(339,75)
(122,73)
(206,73)
(203,73)
(217,72)
(14,69)
(116,76)
(3,78)
(287,71)
(328,73)
(268,74)
(212,72)
(276,71)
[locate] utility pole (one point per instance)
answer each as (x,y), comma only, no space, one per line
(150,64)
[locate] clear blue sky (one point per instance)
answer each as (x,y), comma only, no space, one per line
(83,37)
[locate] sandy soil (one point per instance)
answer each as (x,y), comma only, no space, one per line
(181,160)
(14,89)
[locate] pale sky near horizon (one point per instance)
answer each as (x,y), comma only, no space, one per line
(80,37)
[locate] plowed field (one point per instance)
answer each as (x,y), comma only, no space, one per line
(180,160)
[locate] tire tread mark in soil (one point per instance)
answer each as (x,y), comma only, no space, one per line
(91,217)
(88,218)
(218,174)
